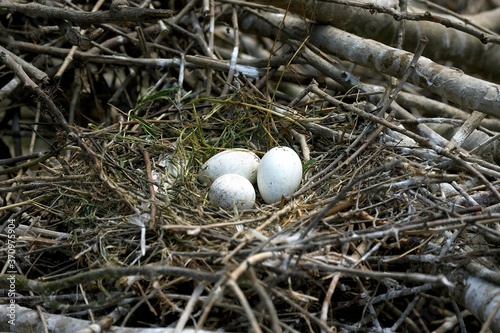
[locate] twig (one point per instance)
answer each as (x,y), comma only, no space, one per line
(191,61)
(300,309)
(246,306)
(27,67)
(436,280)
(404,316)
(189,308)
(341,195)
(266,299)
(69,57)
(234,53)
(301,138)
(328,297)
(220,287)
(106,322)
(52,108)
(460,160)
(34,159)
(447,11)
(409,71)
(465,130)
(152,192)
(392,294)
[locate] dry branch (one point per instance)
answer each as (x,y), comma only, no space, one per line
(481,297)
(34,72)
(445,44)
(190,61)
(29,321)
(123,14)
(450,83)
(45,287)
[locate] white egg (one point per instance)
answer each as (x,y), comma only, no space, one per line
(279,174)
(232,190)
(239,161)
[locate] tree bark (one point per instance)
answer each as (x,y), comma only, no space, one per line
(445,44)
(464,90)
(480,297)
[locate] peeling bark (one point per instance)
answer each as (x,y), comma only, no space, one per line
(481,298)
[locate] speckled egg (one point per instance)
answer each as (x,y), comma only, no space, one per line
(232,190)
(279,174)
(237,161)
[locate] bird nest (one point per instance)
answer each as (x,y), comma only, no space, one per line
(110,224)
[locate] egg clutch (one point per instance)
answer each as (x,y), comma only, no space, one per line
(233,174)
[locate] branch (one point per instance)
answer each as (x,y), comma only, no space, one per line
(452,84)
(480,297)
(380,23)
(27,320)
(465,26)
(34,72)
(192,61)
(44,287)
(116,15)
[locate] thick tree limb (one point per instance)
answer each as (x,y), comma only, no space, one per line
(27,320)
(452,84)
(480,297)
(445,44)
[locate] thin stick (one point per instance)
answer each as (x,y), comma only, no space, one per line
(69,58)
(152,193)
(189,308)
(234,54)
(328,298)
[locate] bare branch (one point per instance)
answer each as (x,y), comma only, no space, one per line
(119,15)
(450,83)
(465,48)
